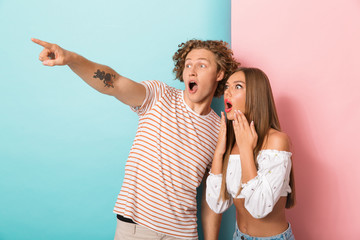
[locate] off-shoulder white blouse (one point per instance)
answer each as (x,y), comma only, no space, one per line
(262,192)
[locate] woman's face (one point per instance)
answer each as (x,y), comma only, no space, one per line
(235,94)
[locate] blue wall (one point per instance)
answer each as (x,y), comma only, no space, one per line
(63,146)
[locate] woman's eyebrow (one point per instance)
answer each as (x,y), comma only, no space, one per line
(238,81)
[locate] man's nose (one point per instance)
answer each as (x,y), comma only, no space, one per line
(192,72)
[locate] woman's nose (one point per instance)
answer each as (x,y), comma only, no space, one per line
(227,93)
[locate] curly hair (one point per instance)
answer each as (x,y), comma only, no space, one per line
(223,55)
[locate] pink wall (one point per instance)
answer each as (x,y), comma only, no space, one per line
(311,53)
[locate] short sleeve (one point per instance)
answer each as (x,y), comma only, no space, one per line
(262,192)
(213,187)
(154,91)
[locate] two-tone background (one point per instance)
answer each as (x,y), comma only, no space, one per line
(63,146)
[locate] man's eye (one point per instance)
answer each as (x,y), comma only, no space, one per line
(202,65)
(188,66)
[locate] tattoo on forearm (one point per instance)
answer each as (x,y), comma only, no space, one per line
(107,78)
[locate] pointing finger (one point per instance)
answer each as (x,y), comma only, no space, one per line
(42,43)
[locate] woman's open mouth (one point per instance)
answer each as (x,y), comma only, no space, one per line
(228,105)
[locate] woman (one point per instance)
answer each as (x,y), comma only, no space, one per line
(252,162)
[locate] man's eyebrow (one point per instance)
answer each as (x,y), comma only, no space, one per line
(198,59)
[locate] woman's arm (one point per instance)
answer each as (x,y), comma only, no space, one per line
(210,220)
(214,179)
(272,181)
(217,163)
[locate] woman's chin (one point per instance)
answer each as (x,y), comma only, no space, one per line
(230,116)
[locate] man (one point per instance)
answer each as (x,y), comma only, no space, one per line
(174,143)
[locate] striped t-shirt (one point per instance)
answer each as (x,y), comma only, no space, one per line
(172,149)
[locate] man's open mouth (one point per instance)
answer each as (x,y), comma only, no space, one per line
(193,86)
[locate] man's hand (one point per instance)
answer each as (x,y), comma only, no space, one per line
(52,54)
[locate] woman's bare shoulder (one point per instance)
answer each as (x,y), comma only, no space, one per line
(277,140)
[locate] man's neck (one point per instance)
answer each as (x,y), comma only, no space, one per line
(201,108)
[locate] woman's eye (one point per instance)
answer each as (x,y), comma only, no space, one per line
(202,65)
(226,87)
(238,86)
(187,65)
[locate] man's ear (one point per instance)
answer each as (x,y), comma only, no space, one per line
(220,75)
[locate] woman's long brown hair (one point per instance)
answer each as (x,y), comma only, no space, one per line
(260,108)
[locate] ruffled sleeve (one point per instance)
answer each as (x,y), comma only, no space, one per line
(213,187)
(262,192)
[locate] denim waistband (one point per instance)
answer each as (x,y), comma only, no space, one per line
(286,235)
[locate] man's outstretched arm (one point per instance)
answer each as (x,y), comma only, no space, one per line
(102,78)
(210,220)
